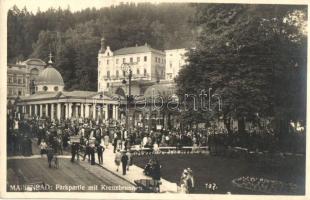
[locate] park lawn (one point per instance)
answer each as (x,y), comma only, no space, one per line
(222,170)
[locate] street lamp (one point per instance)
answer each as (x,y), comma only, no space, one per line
(126,68)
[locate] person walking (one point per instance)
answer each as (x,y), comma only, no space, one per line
(43,147)
(129,159)
(74,147)
(106,141)
(50,155)
(117,159)
(87,151)
(156,175)
(190,181)
(124,160)
(115,144)
(100,150)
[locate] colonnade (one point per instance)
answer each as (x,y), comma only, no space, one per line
(71,110)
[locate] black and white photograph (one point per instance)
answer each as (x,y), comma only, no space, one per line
(139,98)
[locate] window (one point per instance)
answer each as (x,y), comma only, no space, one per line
(145,72)
(19,92)
(10,79)
(155,59)
(56,88)
(124,60)
(107,62)
(138,59)
(138,71)
(45,88)
(170,64)
(19,81)
(116,61)
(117,74)
(14,79)
(108,74)
(131,60)
(108,84)
(124,73)
(145,58)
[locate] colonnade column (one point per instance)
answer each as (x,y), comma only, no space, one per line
(36,110)
(117,111)
(58,111)
(70,110)
(52,111)
(113,113)
(66,111)
(82,110)
(87,110)
(30,110)
(41,110)
(76,110)
(46,110)
(106,111)
(94,111)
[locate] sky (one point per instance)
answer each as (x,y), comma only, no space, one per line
(75,5)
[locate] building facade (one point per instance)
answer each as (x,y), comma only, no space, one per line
(21,77)
(175,59)
(147,66)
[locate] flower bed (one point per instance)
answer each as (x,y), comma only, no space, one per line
(266,186)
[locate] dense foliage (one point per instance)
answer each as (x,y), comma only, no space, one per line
(74,38)
(254,58)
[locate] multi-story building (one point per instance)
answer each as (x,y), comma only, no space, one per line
(147,66)
(175,59)
(21,77)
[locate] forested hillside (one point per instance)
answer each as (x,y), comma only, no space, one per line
(74,38)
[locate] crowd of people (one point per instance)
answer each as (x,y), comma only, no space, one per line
(87,137)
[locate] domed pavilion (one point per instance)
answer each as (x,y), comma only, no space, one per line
(50,100)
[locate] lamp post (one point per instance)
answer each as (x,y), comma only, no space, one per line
(126,68)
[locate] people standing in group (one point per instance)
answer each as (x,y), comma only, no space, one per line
(117,159)
(124,160)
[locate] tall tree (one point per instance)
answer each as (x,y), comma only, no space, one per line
(248,56)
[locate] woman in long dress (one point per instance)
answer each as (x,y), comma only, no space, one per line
(106,141)
(117,159)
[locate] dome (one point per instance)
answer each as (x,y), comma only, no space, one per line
(50,76)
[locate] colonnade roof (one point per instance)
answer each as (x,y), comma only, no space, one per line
(66,94)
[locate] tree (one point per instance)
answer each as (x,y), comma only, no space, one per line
(248,55)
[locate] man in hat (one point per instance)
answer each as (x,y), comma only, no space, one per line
(100,150)
(124,160)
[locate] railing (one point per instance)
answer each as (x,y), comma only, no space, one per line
(137,150)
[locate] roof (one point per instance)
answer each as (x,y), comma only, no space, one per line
(135,50)
(63,94)
(50,76)
(41,95)
(79,93)
(16,71)
(34,61)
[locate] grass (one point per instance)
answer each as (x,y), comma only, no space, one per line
(222,170)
